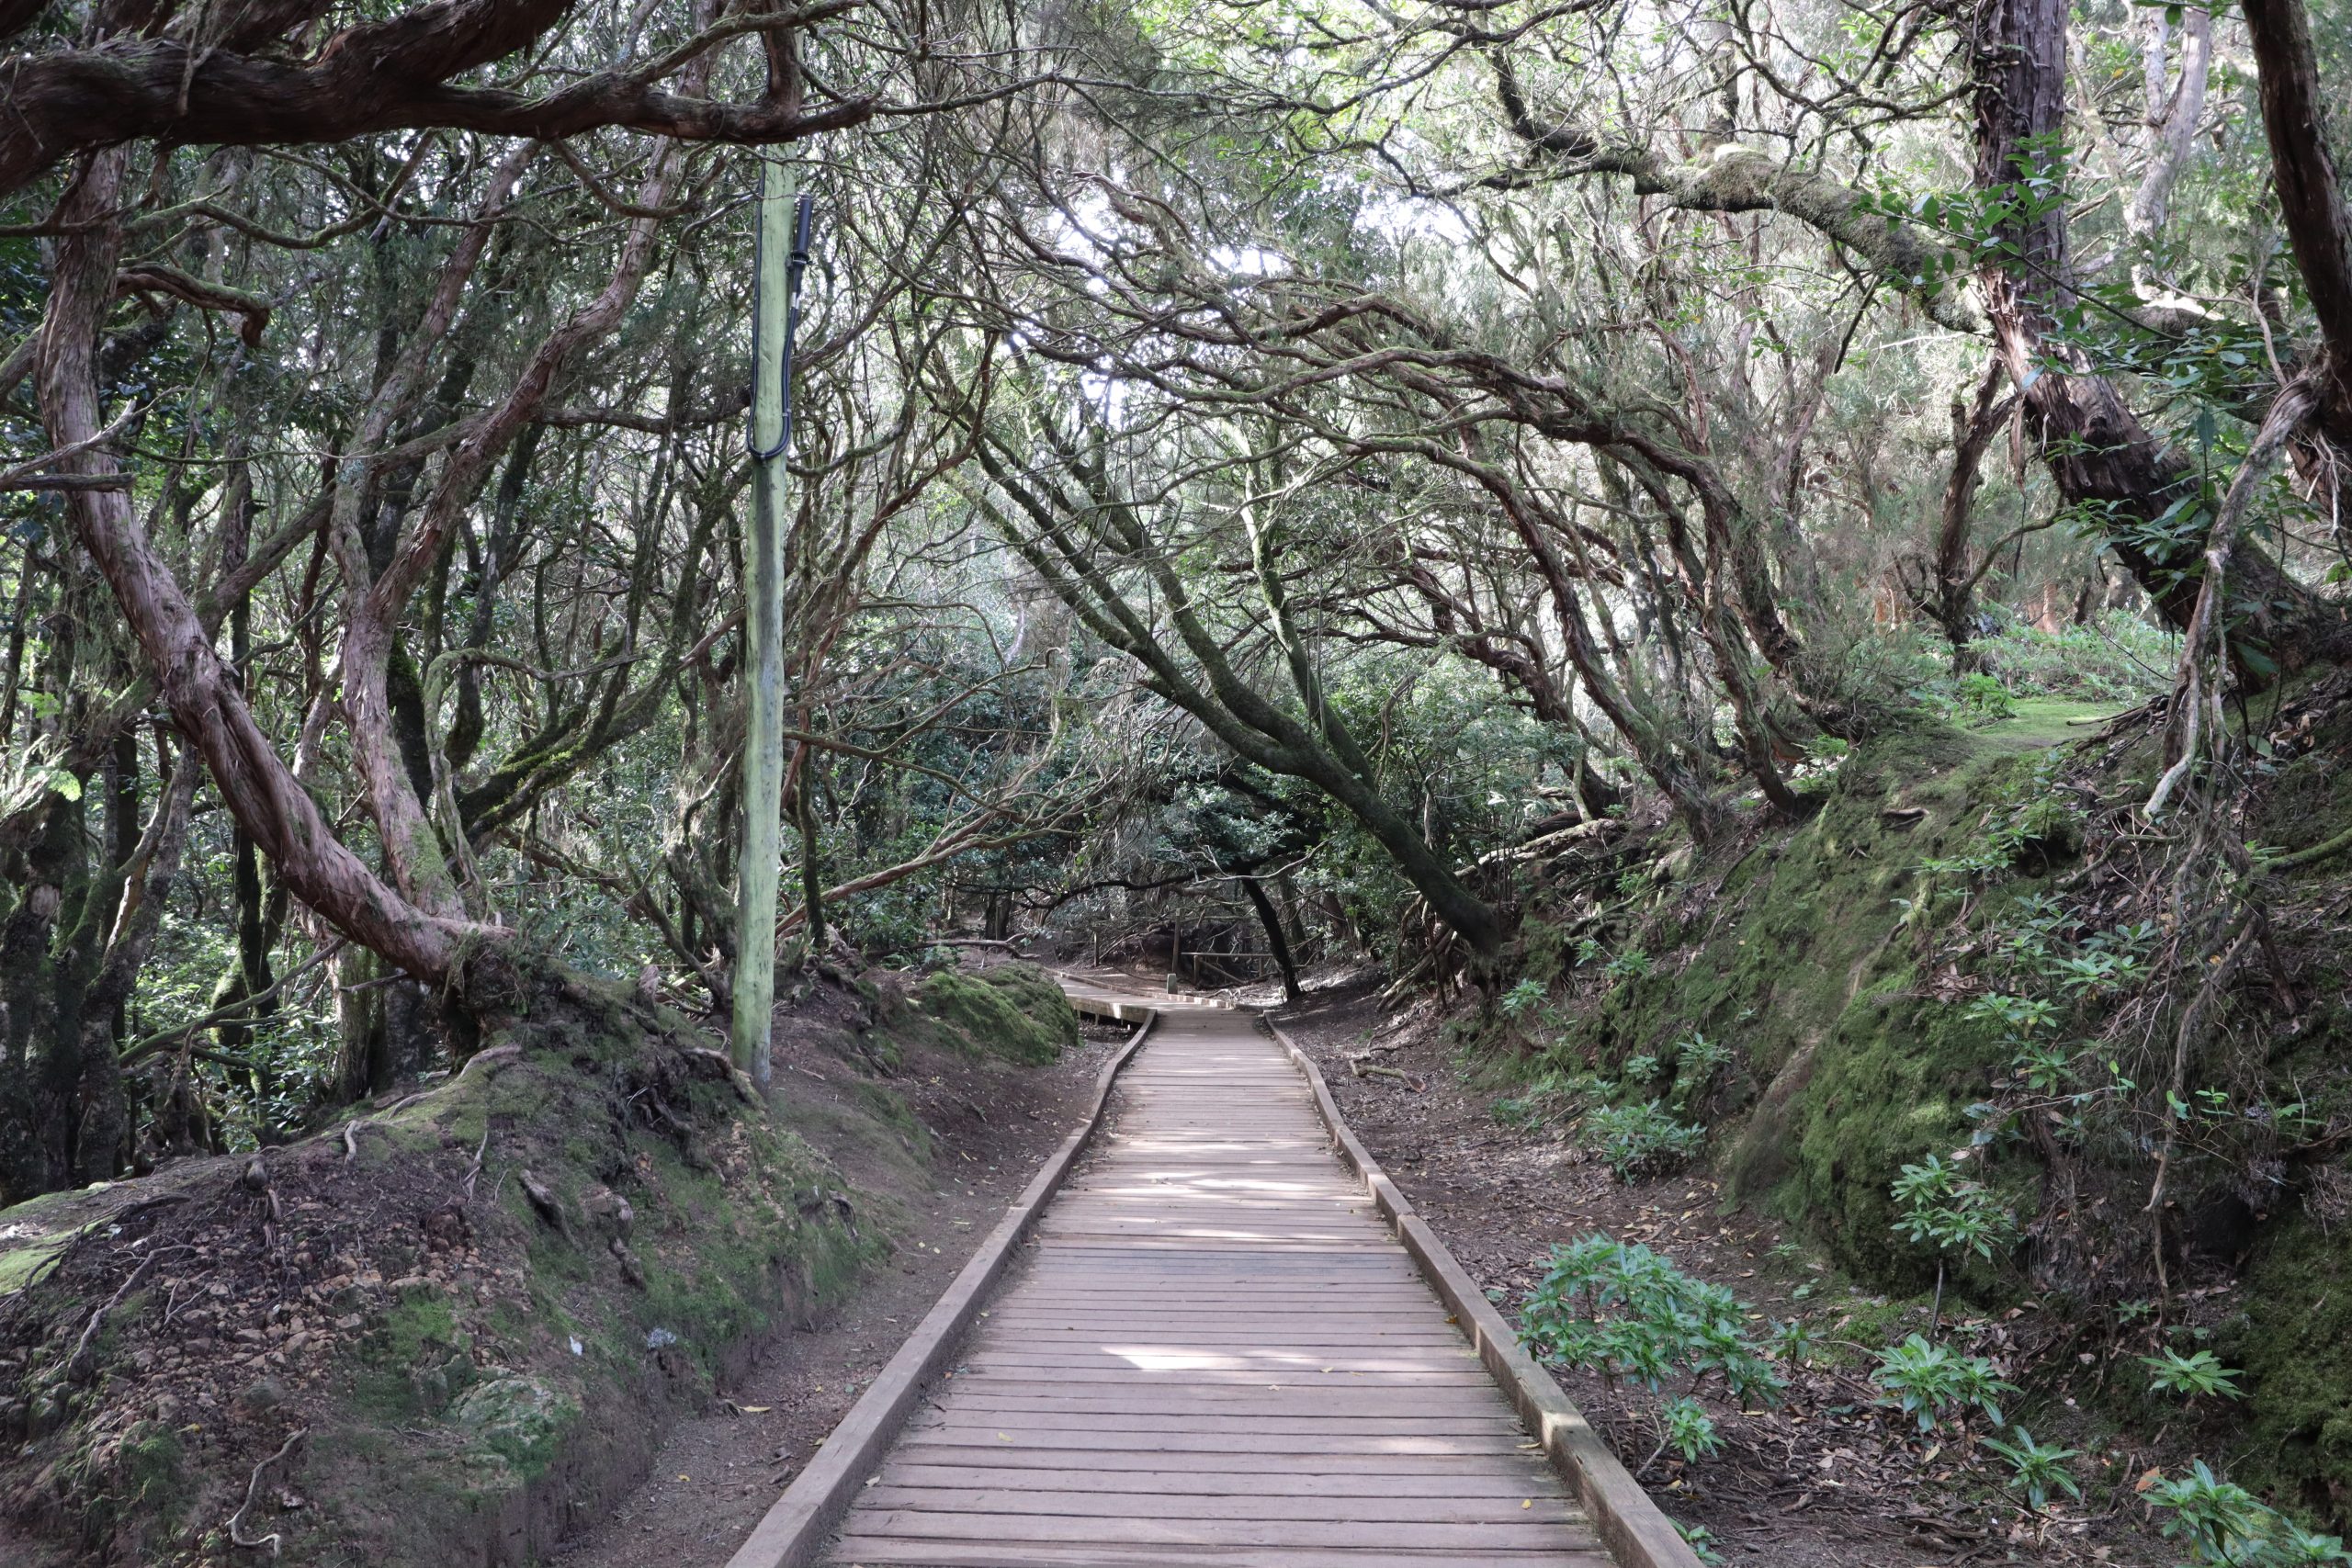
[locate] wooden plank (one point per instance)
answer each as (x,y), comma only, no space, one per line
(1086,1501)
(1215,1349)
(792,1532)
(877,1552)
(1530,1535)
(1260,1477)
(1010,1438)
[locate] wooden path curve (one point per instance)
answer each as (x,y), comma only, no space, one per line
(1213,1352)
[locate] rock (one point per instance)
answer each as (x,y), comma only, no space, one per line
(609,1209)
(261,1394)
(519,1418)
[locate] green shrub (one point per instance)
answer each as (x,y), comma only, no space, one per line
(1981,699)
(1930,1382)
(2039,1469)
(2199,1373)
(1641,1140)
(1621,1310)
(2228,1527)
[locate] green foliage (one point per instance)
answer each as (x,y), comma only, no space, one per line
(1641,1140)
(2035,1468)
(1621,1309)
(1943,1209)
(1984,700)
(2224,1526)
(1631,965)
(2198,1374)
(1702,1542)
(1522,1001)
(1793,1341)
(1689,1429)
(1932,1383)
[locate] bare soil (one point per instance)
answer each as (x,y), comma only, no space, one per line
(990,1125)
(1829,1480)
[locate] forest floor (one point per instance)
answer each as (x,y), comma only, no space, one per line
(419,1338)
(990,1124)
(1826,1480)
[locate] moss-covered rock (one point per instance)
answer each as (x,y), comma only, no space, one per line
(1013,1011)
(2295,1345)
(522,1420)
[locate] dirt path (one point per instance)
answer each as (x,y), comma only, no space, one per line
(990,1126)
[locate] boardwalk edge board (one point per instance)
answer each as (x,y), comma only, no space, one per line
(794,1532)
(1627,1520)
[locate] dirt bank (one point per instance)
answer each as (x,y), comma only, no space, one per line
(1827,1481)
(456,1328)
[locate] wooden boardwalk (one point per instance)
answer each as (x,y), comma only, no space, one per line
(1214,1355)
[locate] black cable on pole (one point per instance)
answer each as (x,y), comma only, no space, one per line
(804,223)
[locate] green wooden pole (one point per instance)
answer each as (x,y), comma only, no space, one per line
(783,252)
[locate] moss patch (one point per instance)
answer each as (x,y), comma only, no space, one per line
(1013,1011)
(2296,1347)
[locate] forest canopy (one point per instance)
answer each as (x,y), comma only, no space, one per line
(1304,459)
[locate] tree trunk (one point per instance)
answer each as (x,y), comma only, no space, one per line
(1277,941)
(1949,590)
(2311,197)
(204,698)
(2105,462)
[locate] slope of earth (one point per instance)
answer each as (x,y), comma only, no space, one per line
(984,1125)
(1826,1480)
(453,1328)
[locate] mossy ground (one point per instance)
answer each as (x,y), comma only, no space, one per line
(480,1314)
(1013,1010)
(1823,953)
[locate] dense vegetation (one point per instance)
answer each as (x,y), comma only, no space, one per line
(1633,518)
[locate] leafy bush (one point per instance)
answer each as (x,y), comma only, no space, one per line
(1928,1383)
(1621,1309)
(2040,1467)
(1523,999)
(1630,965)
(1943,1209)
(1690,1431)
(1641,1140)
(1981,699)
(2228,1527)
(2198,1373)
